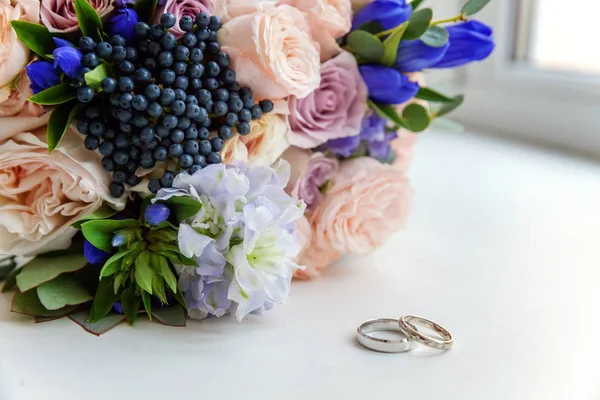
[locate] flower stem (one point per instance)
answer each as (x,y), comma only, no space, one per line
(461,17)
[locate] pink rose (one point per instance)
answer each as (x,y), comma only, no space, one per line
(228,9)
(313,257)
(42,194)
(16,112)
(366,204)
(59,15)
(403,147)
(335,110)
(14,56)
(273,52)
(181,8)
(328,20)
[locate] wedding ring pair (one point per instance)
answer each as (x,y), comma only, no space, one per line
(407,327)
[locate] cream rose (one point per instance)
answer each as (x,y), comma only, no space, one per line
(18,115)
(42,194)
(328,20)
(228,9)
(59,15)
(313,257)
(367,202)
(273,52)
(13,54)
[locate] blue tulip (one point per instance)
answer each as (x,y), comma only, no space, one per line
(93,254)
(389,13)
(387,85)
(123,23)
(414,55)
(156,214)
(42,75)
(469,41)
(67,58)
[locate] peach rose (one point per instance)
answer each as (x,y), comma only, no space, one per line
(13,54)
(366,204)
(42,194)
(328,20)
(234,150)
(59,15)
(228,9)
(404,148)
(313,257)
(18,115)
(273,52)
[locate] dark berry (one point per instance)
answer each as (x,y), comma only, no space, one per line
(147,134)
(161,131)
(133,180)
(165,59)
(195,168)
(82,127)
(186,23)
(131,166)
(221,95)
(168,20)
(142,75)
(147,159)
(182,82)
(127,67)
(200,160)
(121,141)
(196,83)
(214,23)
(92,111)
(153,144)
(211,84)
(223,60)
(180,67)
(266,106)
(125,127)
(170,121)
(210,106)
(85,94)
(213,158)
(154,48)
(202,34)
(104,50)
(213,48)
(107,148)
(248,102)
(126,84)
(191,147)
(243,128)
(142,30)
(154,110)
(119,53)
(81,74)
(167,76)
(180,94)
(109,85)
(97,128)
(186,161)
(119,177)
(167,179)
(121,156)
(126,99)
(203,133)
(217,144)
(168,41)
(189,99)
(109,134)
(152,91)
(213,69)
(221,108)
(160,153)
(233,87)
(143,45)
(154,186)
(118,40)
(117,189)
(91,142)
(140,102)
(204,96)
(134,153)
(136,140)
(181,53)
(228,76)
(151,64)
(256,112)
(202,20)
(213,36)
(231,119)
(204,147)
(87,44)
(196,55)
(108,164)
(195,71)
(175,150)
(124,115)
(167,96)
(131,53)
(177,136)
(245,115)
(157,31)
(235,104)
(225,132)
(191,133)
(140,121)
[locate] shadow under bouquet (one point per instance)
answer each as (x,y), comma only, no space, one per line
(189,158)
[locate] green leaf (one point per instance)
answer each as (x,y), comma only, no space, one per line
(104,299)
(58,94)
(130,303)
(388,112)
(28,303)
(418,24)
(60,119)
(35,37)
(390,45)
(136,249)
(447,108)
(165,271)
(95,77)
(44,269)
(63,291)
(99,327)
(184,207)
(474,6)
(158,287)
(118,280)
(373,27)
(100,232)
(11,280)
(143,272)
(7,268)
(435,36)
(89,20)
(417,117)
(365,45)
(416,4)
(431,95)
(168,235)
(103,212)
(113,264)
(171,316)
(145,9)
(180,299)
(147,303)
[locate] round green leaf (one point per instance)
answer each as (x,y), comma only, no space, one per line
(62,291)
(474,6)
(435,36)
(365,45)
(44,269)
(418,24)
(416,117)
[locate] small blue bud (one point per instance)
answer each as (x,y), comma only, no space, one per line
(118,308)
(157,214)
(93,254)
(123,23)
(42,76)
(119,240)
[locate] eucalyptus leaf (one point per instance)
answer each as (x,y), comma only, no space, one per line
(89,20)
(95,77)
(147,303)
(103,212)
(171,316)
(28,303)
(104,299)
(365,45)
(35,37)
(474,6)
(435,36)
(99,327)
(373,27)
(143,272)
(433,96)
(101,231)
(44,269)
(130,303)
(417,117)
(59,121)
(447,108)
(390,45)
(58,94)
(416,4)
(418,24)
(145,9)
(62,291)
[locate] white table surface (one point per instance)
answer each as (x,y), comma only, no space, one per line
(503,248)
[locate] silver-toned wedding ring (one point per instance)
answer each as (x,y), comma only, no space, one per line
(408,324)
(364,337)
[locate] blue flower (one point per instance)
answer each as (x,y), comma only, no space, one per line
(93,254)
(124,3)
(387,85)
(123,23)
(157,213)
(42,75)
(469,41)
(67,58)
(414,55)
(118,308)
(389,13)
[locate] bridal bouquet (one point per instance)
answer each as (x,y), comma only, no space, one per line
(190,157)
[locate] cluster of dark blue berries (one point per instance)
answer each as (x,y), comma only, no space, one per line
(174,101)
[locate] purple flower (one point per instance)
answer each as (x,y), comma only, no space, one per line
(387,85)
(123,23)
(67,58)
(93,254)
(415,55)
(42,75)
(118,308)
(124,3)
(157,213)
(319,170)
(389,13)
(469,41)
